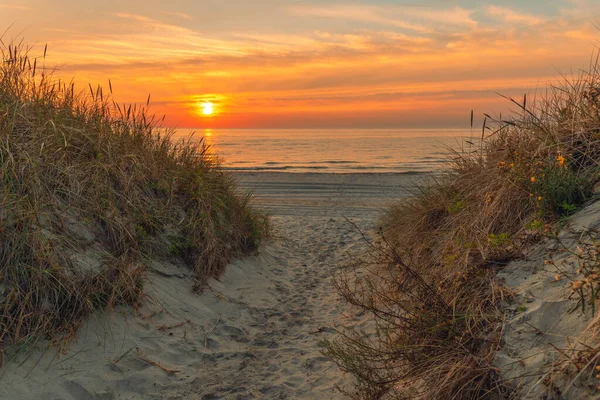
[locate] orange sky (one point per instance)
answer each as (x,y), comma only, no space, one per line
(311,64)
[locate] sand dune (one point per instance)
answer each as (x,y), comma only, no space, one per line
(255,333)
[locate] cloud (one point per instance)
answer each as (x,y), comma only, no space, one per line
(412,18)
(15,7)
(180,15)
(365,14)
(509,16)
(133,17)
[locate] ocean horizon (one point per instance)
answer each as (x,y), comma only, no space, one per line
(405,151)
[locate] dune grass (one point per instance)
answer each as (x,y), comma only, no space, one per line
(90,192)
(429,282)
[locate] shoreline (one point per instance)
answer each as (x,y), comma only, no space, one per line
(356,195)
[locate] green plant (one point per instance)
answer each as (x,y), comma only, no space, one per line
(457,206)
(179,246)
(536,224)
(568,208)
(559,190)
(140,232)
(499,240)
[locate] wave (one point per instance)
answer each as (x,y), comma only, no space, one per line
(314,168)
(301,165)
(334,162)
(281,168)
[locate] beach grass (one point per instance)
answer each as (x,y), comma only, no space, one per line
(429,281)
(91,192)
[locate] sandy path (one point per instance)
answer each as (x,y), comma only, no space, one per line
(255,333)
(279,342)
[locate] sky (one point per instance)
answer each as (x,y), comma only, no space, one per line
(311,63)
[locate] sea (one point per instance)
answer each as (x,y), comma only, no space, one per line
(407,151)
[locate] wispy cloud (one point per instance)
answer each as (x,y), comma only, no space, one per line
(14,6)
(357,13)
(413,18)
(510,16)
(179,15)
(133,17)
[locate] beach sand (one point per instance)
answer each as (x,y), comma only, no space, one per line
(254,333)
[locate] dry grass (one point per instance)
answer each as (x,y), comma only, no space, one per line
(430,284)
(82,176)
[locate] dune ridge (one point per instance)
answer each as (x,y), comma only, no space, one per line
(90,192)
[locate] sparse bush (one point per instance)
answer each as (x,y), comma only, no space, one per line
(433,296)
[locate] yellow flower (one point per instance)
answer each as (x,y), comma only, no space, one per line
(530,194)
(539,198)
(532,179)
(502,163)
(561,161)
(511,165)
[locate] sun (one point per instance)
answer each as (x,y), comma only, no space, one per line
(208,108)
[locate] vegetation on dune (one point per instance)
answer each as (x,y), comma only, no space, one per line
(429,281)
(90,191)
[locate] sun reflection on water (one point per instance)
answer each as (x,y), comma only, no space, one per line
(208,136)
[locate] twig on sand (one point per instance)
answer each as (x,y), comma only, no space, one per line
(167,327)
(537,330)
(121,357)
(145,359)
(322,329)
(207,334)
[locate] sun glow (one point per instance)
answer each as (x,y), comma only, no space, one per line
(208,108)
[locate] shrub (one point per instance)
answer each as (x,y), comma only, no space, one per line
(429,285)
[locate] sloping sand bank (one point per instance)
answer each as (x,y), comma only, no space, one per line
(546,326)
(255,333)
